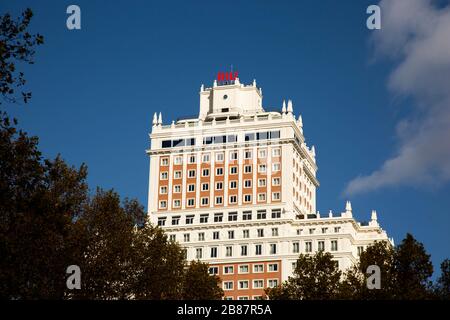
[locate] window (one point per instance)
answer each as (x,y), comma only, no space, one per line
(201,236)
(308,246)
(249,136)
(247,183)
(274,134)
(218,217)
(213,252)
(260,233)
(273,267)
(232,216)
(177,189)
(219,185)
(205,201)
(244,251)
(233,199)
(189,219)
(177,174)
(161,222)
(228,269)
(312,230)
(232,138)
(295,247)
(258,268)
(261,214)
(228,285)
(186,237)
(219,171)
(164,175)
(191,202)
(198,253)
(163,190)
(205,173)
(247,198)
(243,284)
(299,231)
(163,204)
(245,233)
(213,270)
(257,297)
(360,250)
(262,153)
(247,154)
(321,246)
(191,159)
(294,265)
(233,184)
(229,251)
(262,168)
(204,218)
(258,249)
(178,160)
(176,220)
(233,155)
(276,181)
(216,235)
(276,167)
(243,268)
(258,284)
(231,234)
(274,232)
(205,186)
(276,196)
(276,213)
(273,248)
(272,283)
(337,229)
(247,215)
(276,152)
(233,170)
(262,135)
(219,157)
(205,157)
(261,182)
(248,169)
(324,230)
(261,197)
(334,245)
(164,161)
(191,173)
(172,237)
(219,200)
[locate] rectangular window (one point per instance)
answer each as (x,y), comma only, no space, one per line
(191,187)
(186,237)
(274,232)
(276,152)
(276,196)
(164,175)
(228,269)
(258,249)
(308,246)
(190,202)
(177,174)
(274,134)
(244,251)
(295,247)
(233,155)
(337,229)
(161,222)
(175,220)
(249,136)
(262,135)
(247,154)
(229,251)
(163,190)
(273,248)
(204,218)
(233,199)
(247,198)
(258,284)
(213,252)
(164,161)
(321,246)
(334,245)
(243,268)
(172,237)
(233,170)
(205,201)
(218,217)
(228,285)
(247,183)
(231,234)
(198,253)
(261,182)
(219,200)
(260,233)
(262,153)
(205,186)
(232,216)
(213,270)
(178,160)
(219,171)
(324,230)
(258,268)
(163,204)
(276,213)
(201,236)
(276,167)
(261,197)
(248,169)
(262,168)
(245,233)
(191,159)
(233,184)
(191,173)
(205,173)
(219,185)
(219,157)
(189,219)
(247,215)
(275,181)
(272,283)
(177,189)
(205,157)
(273,267)
(216,235)
(243,284)
(261,214)
(232,138)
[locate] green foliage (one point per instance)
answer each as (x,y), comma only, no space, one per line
(17,45)
(198,285)
(443,283)
(316,277)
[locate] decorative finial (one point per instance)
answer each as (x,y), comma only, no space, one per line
(300,121)
(313,151)
(155,119)
(374,215)
(202,88)
(348,207)
(289,106)
(160,118)
(330,214)
(254,82)
(283,109)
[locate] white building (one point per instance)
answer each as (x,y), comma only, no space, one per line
(236,186)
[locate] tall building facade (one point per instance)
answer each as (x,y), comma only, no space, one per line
(236,187)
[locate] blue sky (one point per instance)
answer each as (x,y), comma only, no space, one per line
(95,91)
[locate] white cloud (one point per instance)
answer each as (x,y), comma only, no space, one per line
(416,34)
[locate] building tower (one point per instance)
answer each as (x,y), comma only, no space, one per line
(236,187)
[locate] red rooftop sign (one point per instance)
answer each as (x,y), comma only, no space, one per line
(227,76)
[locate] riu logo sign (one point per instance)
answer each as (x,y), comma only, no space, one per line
(227,76)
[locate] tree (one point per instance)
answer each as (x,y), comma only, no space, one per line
(315,277)
(199,285)
(413,270)
(16,45)
(443,282)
